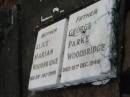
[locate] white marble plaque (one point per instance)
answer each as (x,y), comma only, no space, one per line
(48,54)
(88,43)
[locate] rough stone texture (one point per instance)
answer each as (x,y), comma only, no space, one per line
(32,10)
(9,69)
(7,3)
(125,79)
(127,44)
(109,90)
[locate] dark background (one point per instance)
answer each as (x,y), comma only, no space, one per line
(17,49)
